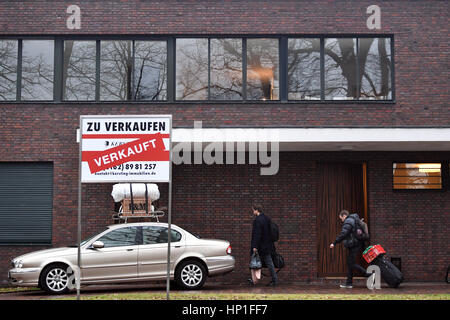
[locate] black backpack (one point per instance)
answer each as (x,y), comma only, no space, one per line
(361,231)
(274,232)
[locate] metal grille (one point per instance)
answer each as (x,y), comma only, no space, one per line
(26,202)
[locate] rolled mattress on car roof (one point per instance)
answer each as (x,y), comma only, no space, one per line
(123,191)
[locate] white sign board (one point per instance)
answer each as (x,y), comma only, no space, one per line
(125,148)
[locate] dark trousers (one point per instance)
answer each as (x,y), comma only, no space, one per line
(269,264)
(352,265)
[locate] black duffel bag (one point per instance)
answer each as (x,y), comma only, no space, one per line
(278,260)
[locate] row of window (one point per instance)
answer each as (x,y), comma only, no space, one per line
(199,69)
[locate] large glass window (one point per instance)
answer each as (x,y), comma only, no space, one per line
(304,69)
(79,70)
(262,69)
(116,64)
(340,69)
(192,69)
(8,69)
(226,69)
(417,176)
(375,68)
(209,68)
(37,69)
(150,70)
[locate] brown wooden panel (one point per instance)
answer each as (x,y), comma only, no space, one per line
(340,186)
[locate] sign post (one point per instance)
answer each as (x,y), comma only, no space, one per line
(132,148)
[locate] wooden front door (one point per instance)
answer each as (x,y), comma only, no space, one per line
(340,186)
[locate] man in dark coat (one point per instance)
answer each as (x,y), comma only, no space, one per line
(261,242)
(352,244)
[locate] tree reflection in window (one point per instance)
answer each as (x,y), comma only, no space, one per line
(8,69)
(262,69)
(375,68)
(206,68)
(304,69)
(120,237)
(79,70)
(368,77)
(192,69)
(116,64)
(226,69)
(37,69)
(340,69)
(150,70)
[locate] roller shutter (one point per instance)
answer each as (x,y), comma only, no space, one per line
(26,202)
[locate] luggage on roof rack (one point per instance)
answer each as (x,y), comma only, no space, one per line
(136,200)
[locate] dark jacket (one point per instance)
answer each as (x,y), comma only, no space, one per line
(261,236)
(346,234)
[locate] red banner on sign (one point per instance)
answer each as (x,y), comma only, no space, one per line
(149,147)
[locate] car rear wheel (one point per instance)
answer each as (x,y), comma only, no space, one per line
(55,279)
(191,275)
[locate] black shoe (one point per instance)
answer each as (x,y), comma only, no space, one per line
(272,284)
(250,282)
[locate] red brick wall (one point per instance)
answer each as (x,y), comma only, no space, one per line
(224,17)
(420,30)
(214,200)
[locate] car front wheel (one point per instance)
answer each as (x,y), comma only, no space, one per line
(55,279)
(191,275)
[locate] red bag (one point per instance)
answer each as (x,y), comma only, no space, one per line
(372,252)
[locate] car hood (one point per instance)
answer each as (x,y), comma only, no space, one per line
(48,253)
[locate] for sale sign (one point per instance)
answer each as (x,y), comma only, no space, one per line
(125,148)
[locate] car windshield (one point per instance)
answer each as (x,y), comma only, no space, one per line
(87,240)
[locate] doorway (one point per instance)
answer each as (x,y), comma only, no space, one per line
(340,186)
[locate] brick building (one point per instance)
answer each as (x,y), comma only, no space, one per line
(357,97)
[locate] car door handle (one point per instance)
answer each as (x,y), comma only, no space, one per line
(177,246)
(130,249)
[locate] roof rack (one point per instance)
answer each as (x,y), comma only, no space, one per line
(120,216)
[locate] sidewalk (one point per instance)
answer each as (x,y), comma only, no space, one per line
(215,288)
(328,288)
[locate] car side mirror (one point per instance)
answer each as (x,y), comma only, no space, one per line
(98,245)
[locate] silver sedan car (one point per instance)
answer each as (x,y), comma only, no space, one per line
(126,253)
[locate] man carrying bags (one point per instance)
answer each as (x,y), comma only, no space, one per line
(261,242)
(352,244)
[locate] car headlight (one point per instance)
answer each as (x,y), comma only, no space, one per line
(18,264)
